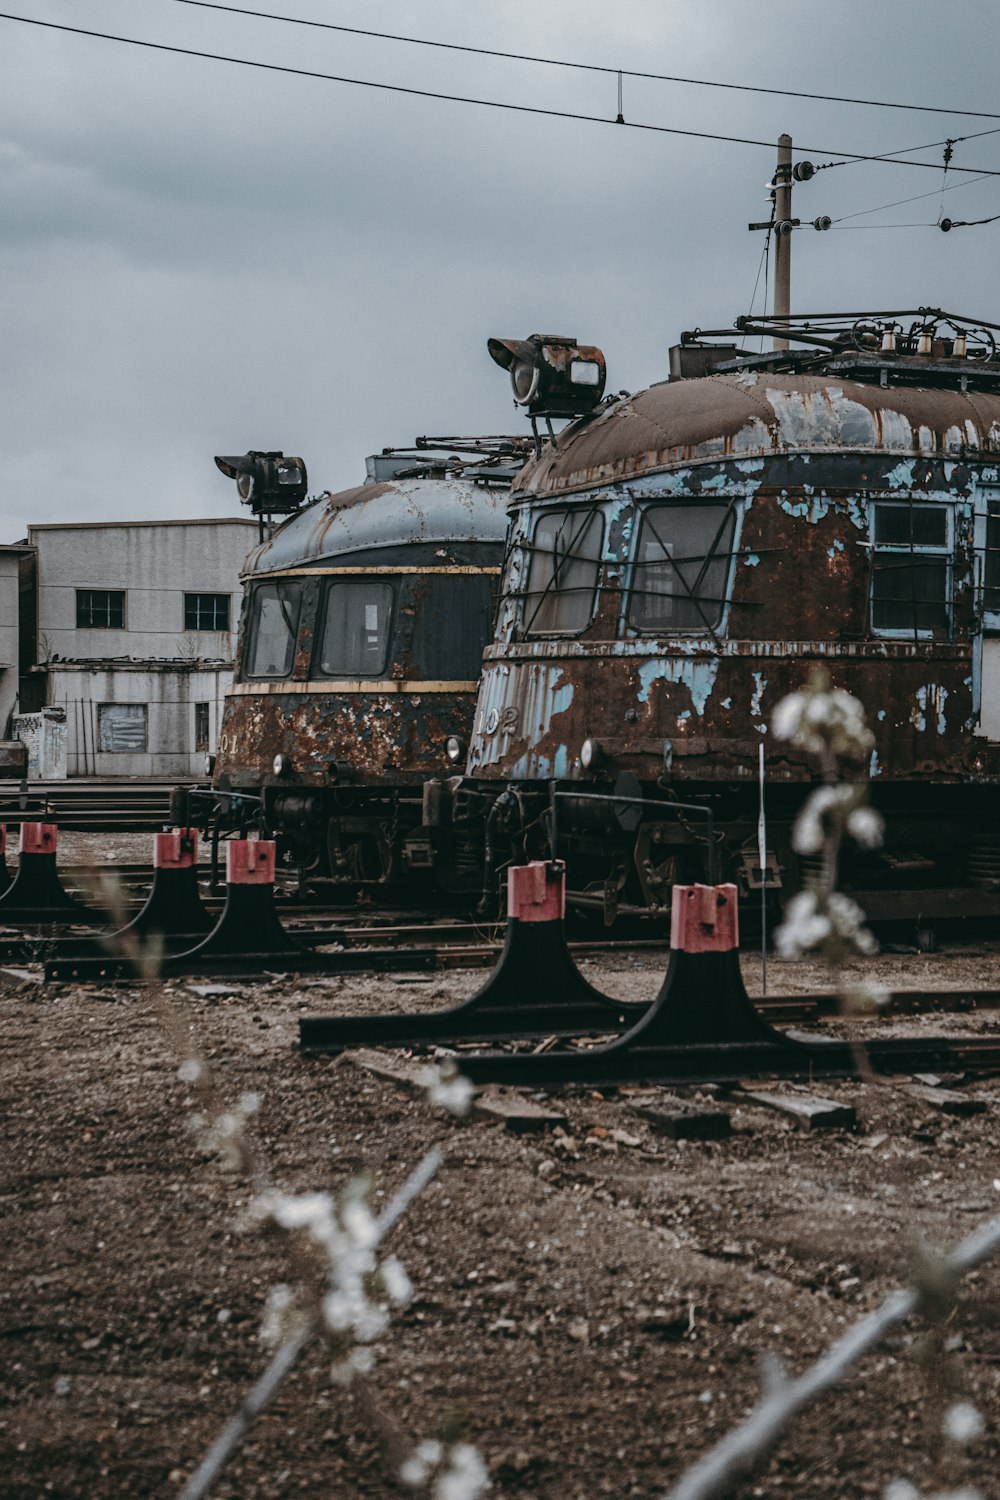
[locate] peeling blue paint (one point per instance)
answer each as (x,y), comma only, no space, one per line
(881,715)
(931,701)
(874,769)
(685,713)
(727,703)
(751,560)
(901,477)
(697,676)
(838,546)
(760,685)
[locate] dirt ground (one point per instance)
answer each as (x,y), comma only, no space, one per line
(592,1303)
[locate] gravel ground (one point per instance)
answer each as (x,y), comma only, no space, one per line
(592,1303)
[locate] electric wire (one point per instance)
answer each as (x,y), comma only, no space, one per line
(899,202)
(397,88)
(557,62)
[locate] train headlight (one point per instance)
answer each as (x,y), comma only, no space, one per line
(282,765)
(550,375)
(269,483)
(591,754)
(454,748)
(209,764)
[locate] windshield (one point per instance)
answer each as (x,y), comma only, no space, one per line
(681,567)
(356,624)
(273,629)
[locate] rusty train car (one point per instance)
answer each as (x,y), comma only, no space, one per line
(680,559)
(364,619)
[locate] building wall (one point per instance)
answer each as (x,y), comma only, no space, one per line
(143,700)
(155,563)
(9,634)
(102,706)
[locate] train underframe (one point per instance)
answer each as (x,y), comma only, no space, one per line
(626,845)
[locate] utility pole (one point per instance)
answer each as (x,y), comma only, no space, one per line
(783,226)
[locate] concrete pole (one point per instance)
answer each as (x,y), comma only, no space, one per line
(783,242)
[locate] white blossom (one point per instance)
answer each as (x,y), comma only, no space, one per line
(809,834)
(447,1087)
(963,1423)
(225,1135)
(417,1469)
(465,1477)
(398,1286)
(804,927)
(190,1071)
(357,1362)
(280,1316)
(864,996)
(824,722)
(810,921)
(866,827)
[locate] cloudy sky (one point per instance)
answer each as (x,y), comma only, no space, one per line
(198,257)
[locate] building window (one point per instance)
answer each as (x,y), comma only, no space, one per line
(206,611)
(562,578)
(121,727)
(355,641)
(201,726)
(100,609)
(911,569)
(681,568)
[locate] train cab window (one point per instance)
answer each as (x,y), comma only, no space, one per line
(356,622)
(681,567)
(452,623)
(562,578)
(911,569)
(274,625)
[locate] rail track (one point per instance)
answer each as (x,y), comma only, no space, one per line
(86,806)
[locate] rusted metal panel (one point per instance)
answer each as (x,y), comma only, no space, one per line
(361,738)
(382,516)
(743,416)
(800,460)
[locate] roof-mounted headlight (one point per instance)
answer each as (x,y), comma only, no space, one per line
(454,748)
(282,764)
(269,483)
(551,376)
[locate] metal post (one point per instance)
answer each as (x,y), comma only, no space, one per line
(783,240)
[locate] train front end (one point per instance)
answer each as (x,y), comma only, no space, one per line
(361,638)
(681,559)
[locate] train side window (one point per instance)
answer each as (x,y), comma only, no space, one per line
(356,622)
(451,626)
(681,567)
(991,569)
(562,578)
(274,626)
(911,569)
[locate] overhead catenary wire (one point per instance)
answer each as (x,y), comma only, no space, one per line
(525,109)
(558,62)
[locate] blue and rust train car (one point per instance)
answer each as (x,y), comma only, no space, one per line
(681,559)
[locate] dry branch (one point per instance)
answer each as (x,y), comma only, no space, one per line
(742,1449)
(264,1390)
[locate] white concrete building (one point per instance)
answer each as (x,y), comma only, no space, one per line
(135,637)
